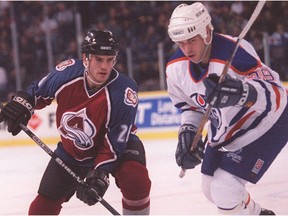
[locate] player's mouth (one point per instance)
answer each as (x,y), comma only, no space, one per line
(191,56)
(103,73)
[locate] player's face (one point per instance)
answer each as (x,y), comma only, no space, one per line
(100,67)
(193,48)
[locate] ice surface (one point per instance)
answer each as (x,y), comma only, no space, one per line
(21,169)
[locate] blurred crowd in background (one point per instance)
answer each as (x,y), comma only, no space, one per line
(139,25)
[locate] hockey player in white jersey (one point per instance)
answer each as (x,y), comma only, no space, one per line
(248,122)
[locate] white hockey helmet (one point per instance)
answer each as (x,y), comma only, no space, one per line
(187,21)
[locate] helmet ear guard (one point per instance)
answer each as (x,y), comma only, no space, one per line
(187,21)
(99,43)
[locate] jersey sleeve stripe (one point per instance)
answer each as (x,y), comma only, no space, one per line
(239,124)
(277,93)
(236,70)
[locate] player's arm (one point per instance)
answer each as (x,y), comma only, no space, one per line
(190,118)
(44,90)
(124,103)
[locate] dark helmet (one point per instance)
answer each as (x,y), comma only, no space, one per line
(99,43)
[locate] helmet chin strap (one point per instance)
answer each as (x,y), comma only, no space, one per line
(206,48)
(89,76)
(91,79)
(204,53)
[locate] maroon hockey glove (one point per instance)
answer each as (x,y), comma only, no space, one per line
(18,110)
(186,158)
(97,182)
(230,92)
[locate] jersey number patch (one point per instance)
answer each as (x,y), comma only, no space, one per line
(262,74)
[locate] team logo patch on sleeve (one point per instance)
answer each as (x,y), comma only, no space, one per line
(130,97)
(64,64)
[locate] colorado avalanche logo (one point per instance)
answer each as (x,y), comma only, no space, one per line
(77,127)
(130,97)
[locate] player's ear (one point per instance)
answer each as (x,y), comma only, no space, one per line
(209,34)
(85,60)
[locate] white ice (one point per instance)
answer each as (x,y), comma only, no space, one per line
(21,169)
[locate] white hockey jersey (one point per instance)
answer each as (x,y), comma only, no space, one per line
(234,127)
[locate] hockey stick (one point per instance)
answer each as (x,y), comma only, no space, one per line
(59,161)
(228,63)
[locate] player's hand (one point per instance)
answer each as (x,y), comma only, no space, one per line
(97,182)
(230,92)
(186,158)
(18,110)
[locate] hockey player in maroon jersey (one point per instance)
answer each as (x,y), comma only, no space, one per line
(249,115)
(96,109)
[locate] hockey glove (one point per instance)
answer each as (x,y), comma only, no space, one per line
(97,182)
(230,92)
(186,158)
(18,110)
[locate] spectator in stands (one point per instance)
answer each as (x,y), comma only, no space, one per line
(3,83)
(130,21)
(278,51)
